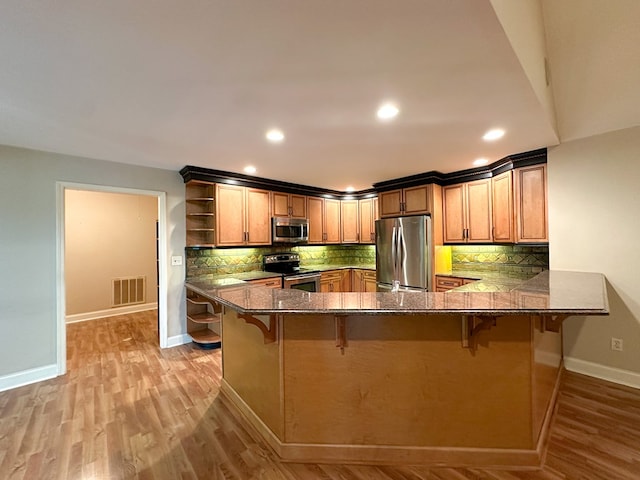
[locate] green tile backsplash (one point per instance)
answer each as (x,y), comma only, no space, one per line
(515,259)
(510,259)
(220,261)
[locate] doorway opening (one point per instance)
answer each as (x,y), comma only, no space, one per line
(90,279)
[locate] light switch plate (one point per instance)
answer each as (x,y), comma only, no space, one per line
(176,260)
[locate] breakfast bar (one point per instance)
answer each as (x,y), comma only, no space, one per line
(466,377)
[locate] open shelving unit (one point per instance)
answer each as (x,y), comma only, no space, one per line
(200,209)
(203,321)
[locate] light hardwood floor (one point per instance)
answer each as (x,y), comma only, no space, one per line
(127,409)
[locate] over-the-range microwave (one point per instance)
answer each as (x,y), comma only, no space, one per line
(289,230)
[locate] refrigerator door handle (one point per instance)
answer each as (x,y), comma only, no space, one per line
(401,250)
(394,259)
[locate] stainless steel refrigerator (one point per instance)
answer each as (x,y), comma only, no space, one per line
(403,253)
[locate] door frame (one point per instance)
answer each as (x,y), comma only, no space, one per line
(163,264)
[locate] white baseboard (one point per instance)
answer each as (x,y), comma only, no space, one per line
(83,317)
(33,375)
(610,374)
(178,340)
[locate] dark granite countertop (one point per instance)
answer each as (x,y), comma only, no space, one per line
(327,267)
(488,281)
(234,278)
(550,292)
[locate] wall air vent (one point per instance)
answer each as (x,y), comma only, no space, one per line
(128,291)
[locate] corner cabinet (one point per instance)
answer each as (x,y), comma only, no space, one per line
(324,220)
(243,216)
(531,204)
(203,320)
(200,211)
(335,281)
(349,223)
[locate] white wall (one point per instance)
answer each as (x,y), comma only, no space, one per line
(28,244)
(107,236)
(523,24)
(594,225)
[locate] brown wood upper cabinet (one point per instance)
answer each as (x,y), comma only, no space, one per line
(530,185)
(467,212)
(502,207)
(406,201)
(288,205)
(349,223)
(243,216)
(368,214)
(510,208)
(324,220)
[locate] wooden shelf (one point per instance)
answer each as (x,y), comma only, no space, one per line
(203,320)
(200,199)
(204,317)
(205,336)
(200,214)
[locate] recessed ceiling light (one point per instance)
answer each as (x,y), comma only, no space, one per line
(387,111)
(493,134)
(350,189)
(274,135)
(480,161)
(249,169)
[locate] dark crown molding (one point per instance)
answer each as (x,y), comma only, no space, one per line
(534,157)
(510,162)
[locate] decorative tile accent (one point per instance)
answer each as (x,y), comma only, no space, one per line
(509,259)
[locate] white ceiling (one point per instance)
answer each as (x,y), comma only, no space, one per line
(168,83)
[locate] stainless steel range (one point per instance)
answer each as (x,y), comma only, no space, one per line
(293,276)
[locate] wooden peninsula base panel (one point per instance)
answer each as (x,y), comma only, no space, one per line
(461,378)
(395,388)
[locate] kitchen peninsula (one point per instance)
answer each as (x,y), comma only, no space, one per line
(456,378)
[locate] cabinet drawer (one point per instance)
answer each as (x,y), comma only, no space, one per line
(275,282)
(448,282)
(332,275)
(369,274)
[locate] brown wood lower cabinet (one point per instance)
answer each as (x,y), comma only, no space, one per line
(363,280)
(444,283)
(335,281)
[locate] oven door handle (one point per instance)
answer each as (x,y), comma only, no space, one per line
(302,276)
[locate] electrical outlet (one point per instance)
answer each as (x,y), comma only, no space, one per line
(176,260)
(616,344)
